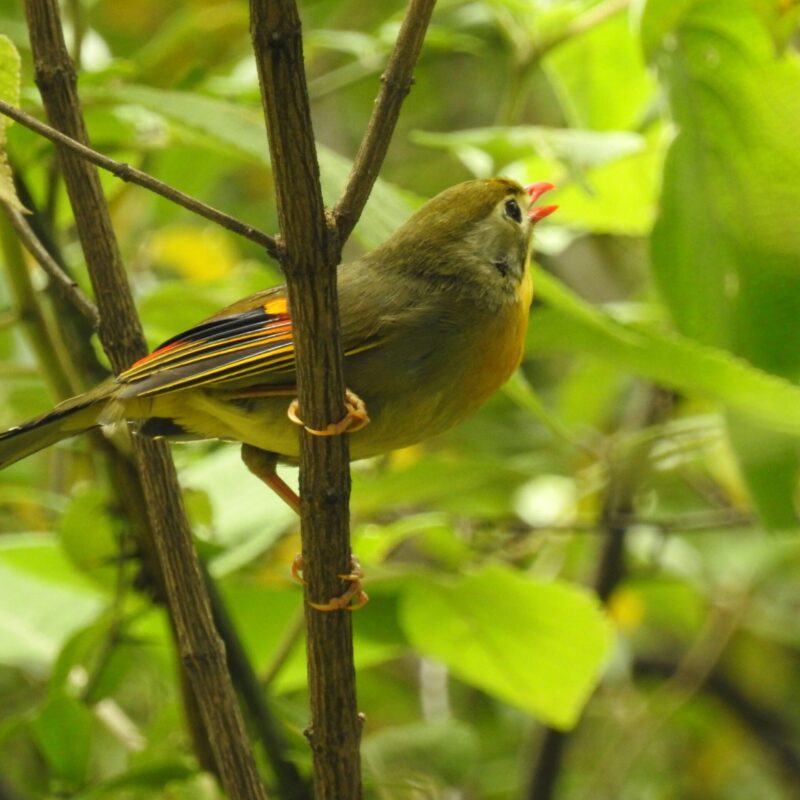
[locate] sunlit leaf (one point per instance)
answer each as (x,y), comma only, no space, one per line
(536,645)
(602,77)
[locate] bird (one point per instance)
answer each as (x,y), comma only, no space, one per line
(433,322)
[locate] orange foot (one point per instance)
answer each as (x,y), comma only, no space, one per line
(354,598)
(354,420)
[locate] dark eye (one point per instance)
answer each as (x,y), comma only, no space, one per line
(513,211)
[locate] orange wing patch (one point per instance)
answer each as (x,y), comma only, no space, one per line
(220,349)
(277,306)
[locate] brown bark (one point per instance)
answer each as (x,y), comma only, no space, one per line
(309,258)
(311,247)
(201,650)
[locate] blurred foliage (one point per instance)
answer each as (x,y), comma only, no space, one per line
(657,403)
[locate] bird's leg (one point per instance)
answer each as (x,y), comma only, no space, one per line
(355,418)
(263,465)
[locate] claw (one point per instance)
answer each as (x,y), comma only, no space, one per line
(352,599)
(355,418)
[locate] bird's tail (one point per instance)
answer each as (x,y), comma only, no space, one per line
(67,419)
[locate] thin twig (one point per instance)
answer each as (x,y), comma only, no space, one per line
(396,83)
(284,648)
(68,287)
(131,174)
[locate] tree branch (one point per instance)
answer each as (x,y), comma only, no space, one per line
(130,174)
(396,83)
(202,652)
(309,261)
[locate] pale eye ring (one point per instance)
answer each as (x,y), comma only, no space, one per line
(513,210)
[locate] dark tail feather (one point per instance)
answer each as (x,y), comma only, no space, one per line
(67,419)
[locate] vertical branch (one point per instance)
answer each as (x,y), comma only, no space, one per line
(311,250)
(201,649)
(309,258)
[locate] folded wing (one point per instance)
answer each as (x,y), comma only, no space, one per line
(227,347)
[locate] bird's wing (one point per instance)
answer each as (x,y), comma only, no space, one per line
(251,337)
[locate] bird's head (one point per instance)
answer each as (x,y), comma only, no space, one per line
(470,231)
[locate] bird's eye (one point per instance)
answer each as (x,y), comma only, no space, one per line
(513,211)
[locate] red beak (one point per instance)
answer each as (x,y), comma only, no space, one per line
(535,191)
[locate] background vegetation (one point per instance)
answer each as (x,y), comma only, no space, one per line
(646,455)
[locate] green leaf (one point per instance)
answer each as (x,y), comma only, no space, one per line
(63,731)
(569,324)
(241,129)
(533,644)
(601,77)
(726,247)
(44,600)
(9,91)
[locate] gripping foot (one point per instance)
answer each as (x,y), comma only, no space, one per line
(354,420)
(352,599)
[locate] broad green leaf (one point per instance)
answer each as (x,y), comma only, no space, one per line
(44,600)
(602,78)
(569,324)
(9,91)
(533,644)
(63,731)
(241,129)
(726,247)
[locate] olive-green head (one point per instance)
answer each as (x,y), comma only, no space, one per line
(468,232)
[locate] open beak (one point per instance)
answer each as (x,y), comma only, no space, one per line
(535,191)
